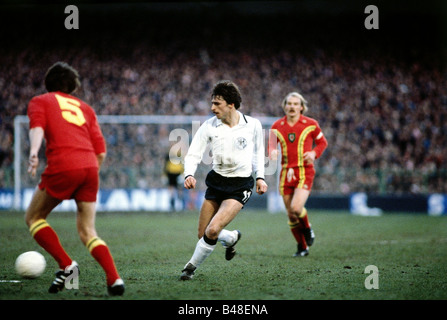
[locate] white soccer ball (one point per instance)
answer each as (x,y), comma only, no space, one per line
(30,264)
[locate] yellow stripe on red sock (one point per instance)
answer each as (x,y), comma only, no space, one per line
(100,251)
(303,213)
(94,242)
(295,227)
(48,239)
(293,224)
(38,225)
(304,219)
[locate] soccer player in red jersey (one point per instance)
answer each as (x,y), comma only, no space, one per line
(75,150)
(297,135)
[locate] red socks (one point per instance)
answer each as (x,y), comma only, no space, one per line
(304,220)
(99,250)
(295,227)
(47,238)
(298,226)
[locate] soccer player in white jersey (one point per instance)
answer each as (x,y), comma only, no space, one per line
(237,146)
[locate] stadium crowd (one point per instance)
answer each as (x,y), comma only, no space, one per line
(384,113)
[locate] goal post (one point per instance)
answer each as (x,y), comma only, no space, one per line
(18,122)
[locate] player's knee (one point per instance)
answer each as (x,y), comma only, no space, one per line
(294,213)
(293,219)
(31,217)
(212,232)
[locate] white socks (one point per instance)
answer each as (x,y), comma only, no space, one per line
(227,238)
(203,249)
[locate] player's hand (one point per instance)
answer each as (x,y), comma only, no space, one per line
(309,156)
(33,162)
(290,175)
(261,186)
(190,182)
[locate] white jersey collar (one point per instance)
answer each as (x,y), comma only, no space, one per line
(242,120)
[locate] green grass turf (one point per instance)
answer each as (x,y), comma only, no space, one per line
(150,250)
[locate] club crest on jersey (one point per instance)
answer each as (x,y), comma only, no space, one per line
(292,137)
(241,143)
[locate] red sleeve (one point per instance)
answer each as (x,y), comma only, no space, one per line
(320,145)
(36,113)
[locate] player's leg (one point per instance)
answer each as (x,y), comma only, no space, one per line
(173,190)
(215,229)
(236,192)
(211,223)
(171,197)
(294,225)
(297,209)
(287,189)
(228,210)
(85,197)
(297,203)
(306,227)
(228,238)
(35,217)
(207,211)
(204,246)
(299,200)
(97,247)
(294,203)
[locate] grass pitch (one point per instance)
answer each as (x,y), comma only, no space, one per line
(150,250)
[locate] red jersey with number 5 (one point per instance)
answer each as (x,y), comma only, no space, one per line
(72,133)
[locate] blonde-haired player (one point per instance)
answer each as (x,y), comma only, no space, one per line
(297,134)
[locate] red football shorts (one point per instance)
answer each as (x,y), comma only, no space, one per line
(78,184)
(293,178)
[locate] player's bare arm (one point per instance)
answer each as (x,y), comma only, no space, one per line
(36,138)
(101,157)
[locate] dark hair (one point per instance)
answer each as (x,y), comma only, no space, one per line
(229,91)
(62,77)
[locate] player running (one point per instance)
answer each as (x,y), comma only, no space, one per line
(238,149)
(75,150)
(297,134)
